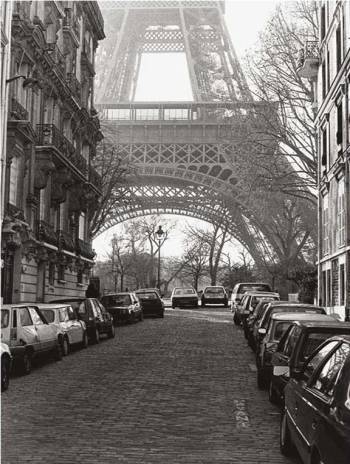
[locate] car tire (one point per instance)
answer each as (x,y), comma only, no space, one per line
(57,352)
(65,346)
(236,320)
(273,397)
(96,336)
(286,444)
(26,363)
(260,379)
(85,342)
(5,373)
(111,332)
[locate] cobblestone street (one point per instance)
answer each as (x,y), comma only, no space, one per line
(176,390)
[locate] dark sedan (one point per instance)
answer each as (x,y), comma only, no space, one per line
(296,345)
(150,302)
(316,417)
(98,321)
(123,306)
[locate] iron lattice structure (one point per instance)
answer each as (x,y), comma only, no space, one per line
(188,157)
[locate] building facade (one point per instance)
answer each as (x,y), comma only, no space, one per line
(329,64)
(50,186)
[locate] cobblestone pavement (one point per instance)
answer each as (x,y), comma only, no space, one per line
(176,390)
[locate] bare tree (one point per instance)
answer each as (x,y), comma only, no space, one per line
(113,171)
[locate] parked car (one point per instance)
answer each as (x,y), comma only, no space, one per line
(316,416)
(151,303)
(249,303)
(278,324)
(242,287)
(214,295)
(184,297)
(6,364)
(66,320)
(253,319)
(27,333)
(98,321)
(296,345)
(280,307)
(151,290)
(123,306)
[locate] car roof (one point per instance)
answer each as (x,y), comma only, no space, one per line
(322,324)
(257,293)
(17,305)
(302,316)
(51,305)
(252,283)
(294,304)
(117,294)
(147,290)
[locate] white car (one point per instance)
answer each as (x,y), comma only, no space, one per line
(27,333)
(66,320)
(184,296)
(6,363)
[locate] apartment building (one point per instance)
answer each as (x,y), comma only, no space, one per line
(50,186)
(328,64)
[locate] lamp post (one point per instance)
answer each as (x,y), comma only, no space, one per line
(160,232)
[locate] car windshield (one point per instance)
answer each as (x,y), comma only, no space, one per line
(116,300)
(5,318)
(254,288)
(184,291)
(280,328)
(214,291)
(49,314)
(147,296)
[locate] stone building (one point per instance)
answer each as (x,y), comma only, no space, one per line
(51,188)
(328,62)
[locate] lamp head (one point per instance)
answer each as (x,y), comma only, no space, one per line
(160,232)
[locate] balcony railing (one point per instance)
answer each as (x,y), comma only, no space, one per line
(48,134)
(308,60)
(46,233)
(95,178)
(65,241)
(85,249)
(74,84)
(17,111)
(57,57)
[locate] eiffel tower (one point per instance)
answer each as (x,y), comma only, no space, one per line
(187,155)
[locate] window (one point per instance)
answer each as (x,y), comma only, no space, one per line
(312,342)
(342,284)
(291,341)
(341,214)
(338,48)
(339,123)
(35,317)
(71,313)
(280,329)
(52,269)
(5,318)
(24,317)
(324,148)
(60,272)
(63,315)
(317,358)
(14,174)
(82,226)
(327,378)
(324,288)
(325,224)
(328,288)
(49,315)
(80,276)
(323,22)
(43,201)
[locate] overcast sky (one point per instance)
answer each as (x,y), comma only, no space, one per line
(165,77)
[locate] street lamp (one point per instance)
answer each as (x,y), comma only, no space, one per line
(160,232)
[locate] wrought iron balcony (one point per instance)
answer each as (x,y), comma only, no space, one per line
(74,85)
(95,178)
(46,233)
(57,57)
(308,60)
(85,249)
(48,134)
(65,241)
(17,111)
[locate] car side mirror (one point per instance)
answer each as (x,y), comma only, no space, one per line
(281,370)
